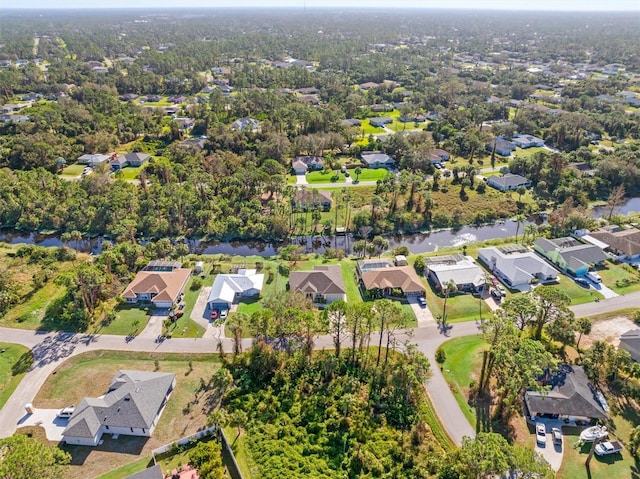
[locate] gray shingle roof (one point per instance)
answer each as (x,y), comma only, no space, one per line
(571,394)
(322,279)
(133,400)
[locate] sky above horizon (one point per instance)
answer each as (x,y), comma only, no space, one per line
(540,5)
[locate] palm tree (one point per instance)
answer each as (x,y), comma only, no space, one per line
(518,219)
(448,289)
(357,172)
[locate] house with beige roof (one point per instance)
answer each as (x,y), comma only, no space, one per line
(132,406)
(160,287)
(624,243)
(323,284)
(381,278)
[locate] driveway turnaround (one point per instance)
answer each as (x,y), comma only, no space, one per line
(551,452)
(47,419)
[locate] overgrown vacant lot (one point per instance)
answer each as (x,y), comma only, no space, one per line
(33,299)
(90,375)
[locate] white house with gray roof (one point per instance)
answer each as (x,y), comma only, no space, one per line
(132,406)
(508,182)
(517,266)
(227,289)
(456,268)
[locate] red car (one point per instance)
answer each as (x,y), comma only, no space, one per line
(214,314)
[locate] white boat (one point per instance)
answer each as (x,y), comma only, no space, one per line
(592,433)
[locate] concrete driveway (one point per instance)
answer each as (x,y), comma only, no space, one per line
(154,326)
(47,419)
(301,180)
(551,452)
(423,314)
(603,290)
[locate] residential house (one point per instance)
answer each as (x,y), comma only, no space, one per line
(153,472)
(376,159)
(177,99)
(391,281)
(508,182)
(351,122)
(227,289)
(527,141)
(129,159)
(369,85)
(438,156)
(220,71)
(308,91)
(185,123)
(570,255)
(11,107)
(132,407)
(309,199)
(517,266)
(128,97)
(380,121)
(197,143)
(152,98)
(301,164)
(570,396)
(322,284)
(624,243)
(94,159)
(6,118)
(503,147)
(248,124)
(161,287)
(630,342)
(456,268)
(380,108)
(585,169)
(309,100)
(171,110)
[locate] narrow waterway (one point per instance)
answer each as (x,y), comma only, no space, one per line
(416,242)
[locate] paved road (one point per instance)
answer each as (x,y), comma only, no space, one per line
(609,305)
(52,349)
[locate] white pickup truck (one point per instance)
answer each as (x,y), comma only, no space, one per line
(605,448)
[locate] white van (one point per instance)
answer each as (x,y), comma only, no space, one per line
(593,276)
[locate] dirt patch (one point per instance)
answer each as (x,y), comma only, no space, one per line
(608,330)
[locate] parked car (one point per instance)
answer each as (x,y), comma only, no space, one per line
(422,301)
(541,433)
(66,412)
(606,448)
(347,174)
(179,313)
(582,282)
(495,294)
(593,276)
(503,292)
(223,313)
(556,434)
(214,314)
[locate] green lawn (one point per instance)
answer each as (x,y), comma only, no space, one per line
(621,278)
(370,174)
(368,129)
(463,361)
(185,327)
(324,176)
(15,361)
(460,307)
(130,320)
(129,469)
(131,172)
(73,170)
(239,448)
(577,293)
(616,466)
(349,276)
(527,152)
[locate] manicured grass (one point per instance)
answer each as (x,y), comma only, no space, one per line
(90,374)
(324,176)
(577,293)
(349,276)
(616,466)
(185,327)
(368,129)
(126,471)
(15,361)
(130,320)
(527,152)
(621,278)
(73,170)
(462,365)
(131,172)
(460,307)
(370,174)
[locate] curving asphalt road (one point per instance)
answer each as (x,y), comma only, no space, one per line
(52,349)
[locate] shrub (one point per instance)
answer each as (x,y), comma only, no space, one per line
(196,284)
(636,317)
(441,356)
